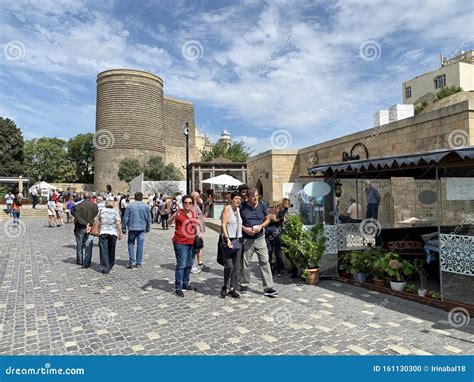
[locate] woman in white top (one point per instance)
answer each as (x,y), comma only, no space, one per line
(231,228)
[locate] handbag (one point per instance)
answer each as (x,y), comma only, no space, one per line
(95,228)
(235,247)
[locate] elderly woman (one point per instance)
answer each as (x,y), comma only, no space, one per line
(110,230)
(186,227)
(231,228)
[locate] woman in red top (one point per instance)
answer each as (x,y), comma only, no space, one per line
(186,226)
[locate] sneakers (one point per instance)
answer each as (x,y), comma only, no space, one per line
(271,293)
(243,289)
(138,265)
(232,293)
(223,292)
(130,266)
(179,293)
(195,270)
(189,287)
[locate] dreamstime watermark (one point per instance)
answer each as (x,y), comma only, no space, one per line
(281,139)
(370,50)
(278,52)
(377,309)
(192,50)
(458,138)
(281,315)
(14,50)
(14,230)
(458,317)
(9,144)
(467,219)
(370,227)
(460,49)
(103,139)
(103,317)
(114,40)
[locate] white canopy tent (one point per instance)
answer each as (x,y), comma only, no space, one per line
(223,180)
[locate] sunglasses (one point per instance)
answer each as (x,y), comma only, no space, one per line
(187,202)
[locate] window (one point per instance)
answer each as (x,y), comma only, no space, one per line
(440,81)
(408,92)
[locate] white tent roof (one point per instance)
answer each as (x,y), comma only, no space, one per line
(224,180)
(43,186)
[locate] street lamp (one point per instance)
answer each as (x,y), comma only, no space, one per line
(188,178)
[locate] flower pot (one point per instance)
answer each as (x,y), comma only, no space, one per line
(422,292)
(379,282)
(345,274)
(428,294)
(398,286)
(360,277)
(313,276)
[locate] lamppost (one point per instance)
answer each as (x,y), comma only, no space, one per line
(188,180)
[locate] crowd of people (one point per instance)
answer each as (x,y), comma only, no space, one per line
(247,228)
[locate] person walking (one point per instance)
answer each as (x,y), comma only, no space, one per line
(69,207)
(124,202)
(165,210)
(272,237)
(137,220)
(34,197)
(84,214)
(199,254)
(373,201)
(231,229)
(9,198)
(16,208)
(254,220)
(52,219)
(186,227)
(60,210)
(110,231)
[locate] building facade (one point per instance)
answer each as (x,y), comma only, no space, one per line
(457,71)
(134,119)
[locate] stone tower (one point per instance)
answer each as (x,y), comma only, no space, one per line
(129,122)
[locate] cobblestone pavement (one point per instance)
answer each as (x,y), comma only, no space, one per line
(49,305)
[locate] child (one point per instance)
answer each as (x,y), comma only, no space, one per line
(69,206)
(60,210)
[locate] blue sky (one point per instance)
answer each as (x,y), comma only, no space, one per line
(310,70)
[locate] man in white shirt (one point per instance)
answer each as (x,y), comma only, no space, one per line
(353,214)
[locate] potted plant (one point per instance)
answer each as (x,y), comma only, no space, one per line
(304,247)
(377,254)
(422,274)
(344,267)
(360,265)
(429,294)
(436,296)
(396,269)
(410,288)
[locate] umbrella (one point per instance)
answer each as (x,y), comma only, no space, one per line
(223,180)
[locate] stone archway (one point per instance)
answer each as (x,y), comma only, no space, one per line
(259,187)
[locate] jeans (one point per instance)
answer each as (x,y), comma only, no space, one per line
(35,201)
(372,211)
(9,209)
(84,241)
(274,244)
(258,246)
(164,221)
(184,263)
(16,216)
(139,236)
(107,244)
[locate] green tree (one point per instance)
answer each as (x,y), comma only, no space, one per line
(80,151)
(11,148)
(129,168)
(47,157)
(155,169)
(236,151)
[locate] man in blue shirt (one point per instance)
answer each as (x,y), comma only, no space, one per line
(137,220)
(254,220)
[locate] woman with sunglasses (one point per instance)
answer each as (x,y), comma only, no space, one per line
(186,227)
